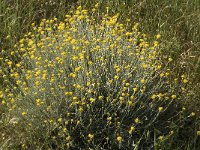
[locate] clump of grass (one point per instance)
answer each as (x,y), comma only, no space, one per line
(83,83)
(17,15)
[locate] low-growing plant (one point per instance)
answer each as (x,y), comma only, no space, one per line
(83,83)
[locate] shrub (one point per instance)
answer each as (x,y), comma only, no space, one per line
(83,84)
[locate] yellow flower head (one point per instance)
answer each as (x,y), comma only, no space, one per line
(24,113)
(158,36)
(142,81)
(160,109)
(119,139)
(198,133)
(91,136)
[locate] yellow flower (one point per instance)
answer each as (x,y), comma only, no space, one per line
(96,5)
(123,94)
(78,86)
(127,84)
(92,100)
(160,109)
(109,118)
(93,10)
(68,138)
(90,62)
(162,75)
(73,75)
(91,136)
(173,96)
(158,36)
(137,120)
(78,122)
(161,138)
(66,93)
(65,130)
(39,102)
(198,133)
(117,69)
(116,77)
(171,132)
(130,103)
(183,109)
(75,98)
(144,66)
(156,43)
(3,102)
(132,97)
(135,27)
(24,113)
(60,119)
(79,7)
(153,96)
(80,109)
(135,90)
(9,63)
(142,81)
(132,129)
(100,97)
(170,59)
(77,69)
(121,98)
(18,65)
(192,114)
(119,139)
(37,83)
(185,81)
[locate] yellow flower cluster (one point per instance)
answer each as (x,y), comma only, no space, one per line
(75,72)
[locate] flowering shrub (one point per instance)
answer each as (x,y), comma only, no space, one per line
(86,84)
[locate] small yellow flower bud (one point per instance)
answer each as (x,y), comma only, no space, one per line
(60,119)
(160,109)
(24,113)
(119,139)
(170,59)
(91,136)
(142,81)
(198,133)
(158,36)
